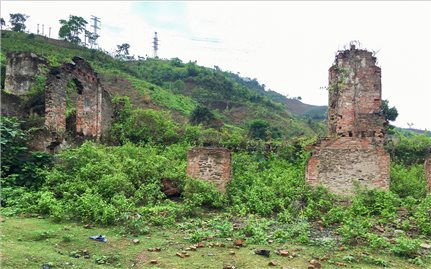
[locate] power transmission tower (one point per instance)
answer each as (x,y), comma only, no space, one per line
(95,26)
(155,44)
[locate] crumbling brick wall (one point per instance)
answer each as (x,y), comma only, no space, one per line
(356,127)
(210,164)
(427,166)
(21,71)
(338,163)
(355,95)
(93,108)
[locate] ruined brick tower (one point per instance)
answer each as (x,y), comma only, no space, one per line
(354,149)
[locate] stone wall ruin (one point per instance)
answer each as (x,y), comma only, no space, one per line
(210,164)
(93,109)
(21,71)
(354,149)
(93,113)
(427,167)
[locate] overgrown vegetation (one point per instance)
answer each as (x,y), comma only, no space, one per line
(119,183)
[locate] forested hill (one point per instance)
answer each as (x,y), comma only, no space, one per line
(178,87)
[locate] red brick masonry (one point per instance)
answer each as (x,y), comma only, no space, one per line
(354,149)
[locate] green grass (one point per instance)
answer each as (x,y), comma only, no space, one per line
(32,242)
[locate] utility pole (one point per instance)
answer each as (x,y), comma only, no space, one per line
(95,26)
(38,28)
(155,44)
(43,29)
(49,35)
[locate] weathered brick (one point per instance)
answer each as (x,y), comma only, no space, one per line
(210,164)
(93,112)
(21,71)
(427,167)
(356,127)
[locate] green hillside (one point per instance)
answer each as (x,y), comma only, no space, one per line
(179,87)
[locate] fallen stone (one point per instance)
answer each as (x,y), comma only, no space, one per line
(179,255)
(187,255)
(340,264)
(283,252)
(262,252)
(154,262)
(232,252)
(88,226)
(135,241)
(170,188)
(228,266)
(200,245)
(239,243)
(425,246)
(315,264)
(272,263)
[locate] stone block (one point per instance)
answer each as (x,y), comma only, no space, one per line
(210,164)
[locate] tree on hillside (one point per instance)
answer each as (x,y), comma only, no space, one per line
(17,21)
(91,37)
(390,113)
(259,129)
(201,115)
(123,51)
(2,23)
(72,28)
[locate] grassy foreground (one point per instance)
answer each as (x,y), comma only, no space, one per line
(41,243)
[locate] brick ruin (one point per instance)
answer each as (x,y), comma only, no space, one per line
(93,115)
(93,108)
(427,167)
(353,151)
(21,71)
(210,164)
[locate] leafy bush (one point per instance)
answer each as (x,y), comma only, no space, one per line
(202,193)
(406,247)
(375,202)
(102,184)
(408,147)
(408,181)
(423,215)
(19,166)
(201,115)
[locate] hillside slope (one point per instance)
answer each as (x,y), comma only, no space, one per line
(179,87)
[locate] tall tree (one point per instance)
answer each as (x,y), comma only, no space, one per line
(390,114)
(91,37)
(17,20)
(2,23)
(122,51)
(72,28)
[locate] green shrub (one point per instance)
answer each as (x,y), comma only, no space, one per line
(146,126)
(202,193)
(408,181)
(405,247)
(375,202)
(422,215)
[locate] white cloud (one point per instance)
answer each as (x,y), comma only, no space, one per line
(288,46)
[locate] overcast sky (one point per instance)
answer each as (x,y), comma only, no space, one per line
(288,46)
